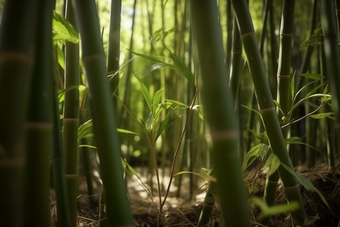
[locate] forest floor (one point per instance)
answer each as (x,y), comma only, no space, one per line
(177,212)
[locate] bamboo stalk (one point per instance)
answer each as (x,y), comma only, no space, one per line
(58,162)
(273,50)
(113,52)
(104,126)
(39,126)
(267,107)
(284,94)
(71,117)
(16,64)
(207,206)
(328,122)
(330,29)
(220,116)
(306,61)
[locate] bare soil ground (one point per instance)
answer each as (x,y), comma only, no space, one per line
(180,213)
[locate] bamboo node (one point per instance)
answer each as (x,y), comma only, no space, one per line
(291,187)
(93,57)
(247,34)
(18,56)
(11,162)
(286,34)
(284,75)
(267,109)
(41,125)
(222,135)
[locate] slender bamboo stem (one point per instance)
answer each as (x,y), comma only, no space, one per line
(220,116)
(71,117)
(284,94)
(331,48)
(207,206)
(114,47)
(57,160)
(267,107)
(39,126)
(328,122)
(104,126)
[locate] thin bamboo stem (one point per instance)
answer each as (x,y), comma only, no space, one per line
(220,116)
(39,126)
(266,106)
(104,125)
(71,117)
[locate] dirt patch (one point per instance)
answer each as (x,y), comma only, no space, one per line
(179,213)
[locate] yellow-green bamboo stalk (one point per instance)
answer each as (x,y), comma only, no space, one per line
(207,205)
(272,67)
(331,48)
(104,126)
(284,80)
(284,68)
(236,62)
(102,210)
(113,51)
(266,106)
(39,126)
(16,63)
(235,78)
(71,117)
(306,61)
(58,163)
(229,28)
(328,122)
(220,116)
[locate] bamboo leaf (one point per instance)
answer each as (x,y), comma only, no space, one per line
(185,71)
(313,76)
(273,162)
(63,30)
(149,122)
(249,108)
(145,91)
(292,85)
(157,59)
(61,57)
(326,98)
(156,100)
(88,146)
(166,123)
(132,173)
(267,211)
(125,131)
(279,107)
(113,74)
(303,88)
(314,90)
(314,39)
(293,140)
(181,67)
(308,97)
(305,183)
(204,176)
(324,115)
(258,151)
(178,103)
(89,135)
(85,129)
(296,140)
